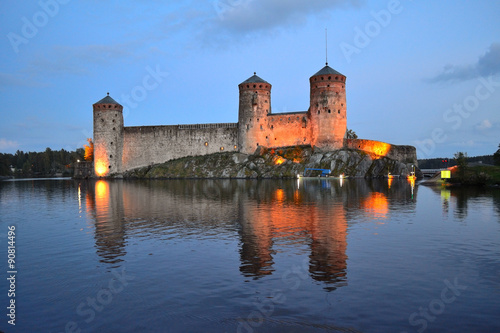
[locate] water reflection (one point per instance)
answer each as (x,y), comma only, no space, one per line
(459,198)
(104,203)
(267,216)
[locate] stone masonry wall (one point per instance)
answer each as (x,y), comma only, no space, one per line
(404,154)
(147,145)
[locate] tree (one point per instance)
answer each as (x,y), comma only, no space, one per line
(496,156)
(461,159)
(350,134)
(89,151)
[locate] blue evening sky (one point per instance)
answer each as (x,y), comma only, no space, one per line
(424,73)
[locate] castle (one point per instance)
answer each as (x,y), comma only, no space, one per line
(118,148)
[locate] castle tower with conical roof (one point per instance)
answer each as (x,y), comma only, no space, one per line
(327,110)
(255,105)
(108,137)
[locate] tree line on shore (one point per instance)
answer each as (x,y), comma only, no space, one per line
(40,164)
(445,162)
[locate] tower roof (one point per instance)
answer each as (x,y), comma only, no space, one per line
(107,100)
(255,79)
(327,70)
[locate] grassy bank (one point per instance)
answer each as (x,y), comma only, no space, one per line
(477,175)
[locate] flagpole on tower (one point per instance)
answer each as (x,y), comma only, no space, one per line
(326,44)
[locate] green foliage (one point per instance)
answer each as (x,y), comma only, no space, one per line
(496,156)
(437,163)
(461,159)
(350,134)
(32,164)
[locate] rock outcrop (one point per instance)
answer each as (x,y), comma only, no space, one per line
(275,163)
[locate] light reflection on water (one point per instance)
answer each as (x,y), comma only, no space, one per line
(344,254)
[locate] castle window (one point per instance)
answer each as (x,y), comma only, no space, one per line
(315,79)
(319,111)
(329,78)
(322,78)
(272,126)
(111,142)
(114,128)
(110,156)
(329,111)
(339,111)
(257,144)
(255,86)
(235,147)
(328,86)
(261,127)
(336,78)
(109,167)
(248,127)
(342,104)
(248,86)
(113,120)
(221,148)
(206,144)
(102,120)
(260,86)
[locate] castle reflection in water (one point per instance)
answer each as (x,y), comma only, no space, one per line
(314,215)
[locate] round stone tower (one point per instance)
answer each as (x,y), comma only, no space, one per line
(255,105)
(327,111)
(108,137)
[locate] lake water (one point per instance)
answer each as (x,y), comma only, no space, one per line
(251,256)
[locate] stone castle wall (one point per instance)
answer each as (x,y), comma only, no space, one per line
(276,130)
(404,154)
(147,145)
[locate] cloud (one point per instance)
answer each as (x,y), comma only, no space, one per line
(76,59)
(23,80)
(8,144)
(247,16)
(488,64)
(484,125)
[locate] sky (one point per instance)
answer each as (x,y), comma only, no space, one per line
(422,73)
